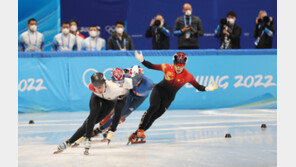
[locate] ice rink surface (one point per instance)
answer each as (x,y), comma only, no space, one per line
(179,138)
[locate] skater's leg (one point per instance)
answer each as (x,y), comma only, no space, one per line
(136,102)
(105,109)
(163,107)
(95,105)
(109,121)
(155,100)
(117,113)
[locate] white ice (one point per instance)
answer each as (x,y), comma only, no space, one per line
(179,138)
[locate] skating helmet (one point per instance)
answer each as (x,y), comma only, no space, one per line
(98,79)
(117,74)
(180,58)
(136,69)
(137,73)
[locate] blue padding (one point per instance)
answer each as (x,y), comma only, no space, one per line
(211,52)
(58,81)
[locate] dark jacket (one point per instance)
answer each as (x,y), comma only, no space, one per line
(234,35)
(160,36)
(196,30)
(265,41)
(113,45)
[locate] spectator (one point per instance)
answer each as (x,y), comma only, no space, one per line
(94,42)
(31,40)
(64,41)
(120,40)
(160,33)
(74,31)
(229,32)
(188,28)
(264,30)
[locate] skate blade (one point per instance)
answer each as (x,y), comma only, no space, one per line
(104,140)
(58,151)
(75,145)
(137,141)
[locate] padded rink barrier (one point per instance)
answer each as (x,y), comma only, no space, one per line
(57,81)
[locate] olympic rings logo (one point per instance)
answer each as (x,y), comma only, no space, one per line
(110,29)
(86,73)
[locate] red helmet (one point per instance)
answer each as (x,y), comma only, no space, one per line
(117,74)
(180,58)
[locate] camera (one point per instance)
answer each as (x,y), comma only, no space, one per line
(157,23)
(266,21)
(226,40)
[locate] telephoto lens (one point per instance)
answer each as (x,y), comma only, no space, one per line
(157,23)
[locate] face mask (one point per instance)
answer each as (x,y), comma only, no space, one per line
(33,28)
(188,12)
(230,21)
(65,31)
(93,33)
(119,30)
(73,28)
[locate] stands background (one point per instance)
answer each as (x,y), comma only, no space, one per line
(138,13)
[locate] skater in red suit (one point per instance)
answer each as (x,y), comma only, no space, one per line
(175,76)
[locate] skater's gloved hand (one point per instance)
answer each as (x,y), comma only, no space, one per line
(212,87)
(139,56)
(110,135)
(86,143)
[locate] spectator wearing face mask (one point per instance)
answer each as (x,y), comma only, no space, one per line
(31,40)
(119,39)
(94,42)
(263,31)
(74,31)
(188,28)
(229,32)
(160,33)
(64,41)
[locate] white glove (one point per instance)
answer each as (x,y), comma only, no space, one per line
(139,56)
(212,87)
(110,135)
(86,143)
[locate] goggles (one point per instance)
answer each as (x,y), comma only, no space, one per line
(179,65)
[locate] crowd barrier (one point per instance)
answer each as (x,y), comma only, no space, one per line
(57,81)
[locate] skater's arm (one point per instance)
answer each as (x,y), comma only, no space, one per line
(152,66)
(193,82)
(118,107)
(140,58)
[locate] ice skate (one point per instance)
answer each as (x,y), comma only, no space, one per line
(77,142)
(137,137)
(104,137)
(87,146)
(62,147)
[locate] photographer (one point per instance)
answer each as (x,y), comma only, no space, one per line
(263,31)
(229,32)
(188,28)
(160,33)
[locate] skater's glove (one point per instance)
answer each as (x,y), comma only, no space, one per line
(212,87)
(139,56)
(110,135)
(86,143)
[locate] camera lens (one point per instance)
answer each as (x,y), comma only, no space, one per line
(157,23)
